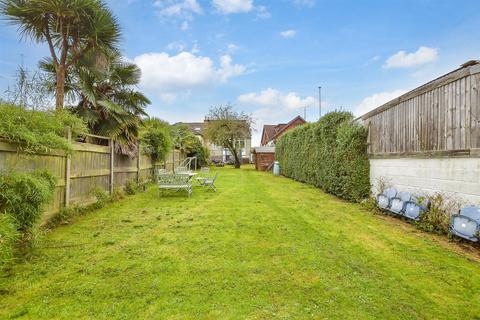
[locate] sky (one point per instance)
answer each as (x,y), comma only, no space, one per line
(268,58)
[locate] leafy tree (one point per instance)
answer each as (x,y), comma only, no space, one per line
(228,128)
(183,139)
(201,152)
(71,28)
(156,139)
(106,95)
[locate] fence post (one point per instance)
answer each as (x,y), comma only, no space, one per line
(112,169)
(138,163)
(68,163)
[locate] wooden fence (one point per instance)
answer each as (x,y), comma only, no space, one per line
(90,166)
(440,118)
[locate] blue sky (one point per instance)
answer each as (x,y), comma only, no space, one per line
(268,57)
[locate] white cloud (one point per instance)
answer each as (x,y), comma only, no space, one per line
(232,48)
(175,10)
(288,33)
(274,106)
(229,70)
(402,59)
(233,6)
(262,12)
(184,26)
(178,8)
(275,98)
(180,46)
(240,6)
(176,46)
(376,100)
(168,75)
(304,3)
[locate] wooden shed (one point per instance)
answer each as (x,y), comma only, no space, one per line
(429,138)
(263,157)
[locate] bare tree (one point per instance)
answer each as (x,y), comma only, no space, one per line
(29,90)
(228,128)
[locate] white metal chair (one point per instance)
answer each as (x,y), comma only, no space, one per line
(204,174)
(210,183)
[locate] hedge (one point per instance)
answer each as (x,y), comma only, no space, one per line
(38,131)
(330,154)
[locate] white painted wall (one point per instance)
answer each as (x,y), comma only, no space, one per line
(456,176)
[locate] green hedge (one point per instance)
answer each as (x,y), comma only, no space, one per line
(38,131)
(330,154)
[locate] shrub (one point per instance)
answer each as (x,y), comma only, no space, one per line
(131,187)
(118,194)
(330,154)
(102,197)
(24,196)
(38,131)
(8,237)
(156,139)
(437,218)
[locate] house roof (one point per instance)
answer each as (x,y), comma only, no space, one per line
(285,127)
(264,149)
(195,127)
(268,132)
(272,131)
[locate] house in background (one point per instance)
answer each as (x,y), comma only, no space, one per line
(218,153)
(272,132)
(264,156)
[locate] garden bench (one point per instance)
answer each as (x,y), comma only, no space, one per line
(173,181)
(181,170)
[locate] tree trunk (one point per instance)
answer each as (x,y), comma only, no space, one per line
(60,88)
(237,159)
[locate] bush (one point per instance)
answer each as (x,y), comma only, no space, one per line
(131,187)
(118,194)
(65,215)
(330,154)
(24,196)
(437,218)
(38,131)
(102,197)
(156,139)
(8,237)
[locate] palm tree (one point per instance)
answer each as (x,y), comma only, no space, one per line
(71,28)
(103,89)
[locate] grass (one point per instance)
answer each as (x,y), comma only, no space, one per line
(263,247)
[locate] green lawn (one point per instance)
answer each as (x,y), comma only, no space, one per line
(263,247)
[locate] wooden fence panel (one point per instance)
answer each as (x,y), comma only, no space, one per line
(441,116)
(90,168)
